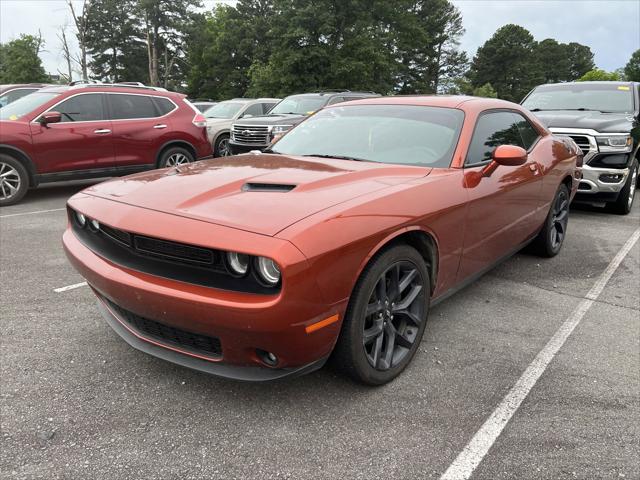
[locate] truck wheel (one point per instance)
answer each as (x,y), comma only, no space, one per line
(622,205)
(222,147)
(14,180)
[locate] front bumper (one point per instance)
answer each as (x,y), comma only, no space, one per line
(238,148)
(594,187)
(245,324)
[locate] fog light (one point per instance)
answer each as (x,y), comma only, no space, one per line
(611,177)
(81,219)
(268,358)
(94,225)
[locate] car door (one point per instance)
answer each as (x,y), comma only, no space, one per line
(140,127)
(503,201)
(82,140)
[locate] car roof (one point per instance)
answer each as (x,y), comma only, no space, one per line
(447,101)
(591,82)
(102,88)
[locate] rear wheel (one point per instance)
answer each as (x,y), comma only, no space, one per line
(386,317)
(622,205)
(175,156)
(550,239)
(14,180)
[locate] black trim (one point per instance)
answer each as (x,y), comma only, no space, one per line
(91,173)
(598,197)
(219,369)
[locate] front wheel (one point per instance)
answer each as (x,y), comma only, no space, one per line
(222,148)
(14,180)
(386,317)
(622,205)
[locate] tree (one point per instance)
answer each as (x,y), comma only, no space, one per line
(561,62)
(115,43)
(632,68)
(19,61)
(597,74)
(165,25)
(580,58)
(508,62)
(485,90)
(66,54)
(81,22)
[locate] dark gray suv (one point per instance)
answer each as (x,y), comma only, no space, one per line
(257,133)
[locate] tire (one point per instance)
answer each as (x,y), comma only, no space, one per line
(370,360)
(222,147)
(175,156)
(551,237)
(14,180)
(622,205)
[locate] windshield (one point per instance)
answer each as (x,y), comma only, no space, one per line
(575,96)
(299,105)
(399,134)
(224,110)
(25,105)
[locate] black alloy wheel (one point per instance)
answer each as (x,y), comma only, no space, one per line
(560,219)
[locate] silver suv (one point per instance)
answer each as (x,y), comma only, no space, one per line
(222,115)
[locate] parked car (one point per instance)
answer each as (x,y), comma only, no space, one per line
(221,116)
(604,120)
(90,131)
(203,105)
(258,133)
(260,266)
(11,93)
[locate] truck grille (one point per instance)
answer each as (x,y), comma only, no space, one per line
(251,135)
(170,336)
(583,142)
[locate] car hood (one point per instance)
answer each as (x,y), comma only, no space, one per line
(258,193)
(276,119)
(601,122)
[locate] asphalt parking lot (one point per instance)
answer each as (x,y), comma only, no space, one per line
(77,402)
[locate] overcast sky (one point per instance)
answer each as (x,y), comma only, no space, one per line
(610,27)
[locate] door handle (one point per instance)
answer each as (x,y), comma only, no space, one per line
(102,131)
(162,125)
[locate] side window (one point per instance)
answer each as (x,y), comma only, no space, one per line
(335,100)
(14,95)
(82,108)
(492,129)
(131,106)
(527,132)
(163,105)
(254,110)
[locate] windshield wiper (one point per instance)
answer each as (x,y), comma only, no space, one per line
(337,157)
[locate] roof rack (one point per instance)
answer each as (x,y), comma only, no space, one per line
(96,83)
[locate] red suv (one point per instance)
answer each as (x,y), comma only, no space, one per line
(91,131)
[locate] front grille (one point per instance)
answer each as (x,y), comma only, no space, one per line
(251,135)
(583,142)
(170,336)
(174,251)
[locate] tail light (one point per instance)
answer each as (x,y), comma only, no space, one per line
(199,120)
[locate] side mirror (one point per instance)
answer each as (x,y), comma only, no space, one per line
(50,117)
(247,115)
(509,155)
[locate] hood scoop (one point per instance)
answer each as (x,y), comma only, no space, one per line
(267,187)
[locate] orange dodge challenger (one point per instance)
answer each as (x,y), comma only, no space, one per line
(335,242)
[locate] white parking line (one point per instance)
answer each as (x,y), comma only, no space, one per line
(466,462)
(32,213)
(70,287)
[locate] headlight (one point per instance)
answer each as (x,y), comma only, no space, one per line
(81,219)
(615,143)
(238,263)
(268,271)
(94,225)
(281,129)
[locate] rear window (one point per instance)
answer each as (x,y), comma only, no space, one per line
(163,105)
(25,105)
(131,106)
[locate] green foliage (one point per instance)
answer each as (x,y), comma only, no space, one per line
(19,61)
(597,74)
(485,90)
(114,41)
(560,62)
(632,68)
